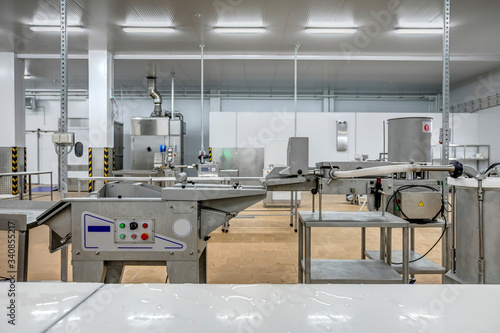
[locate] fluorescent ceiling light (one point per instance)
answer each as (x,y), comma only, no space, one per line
(55,28)
(331,30)
(240,30)
(420,31)
(149,30)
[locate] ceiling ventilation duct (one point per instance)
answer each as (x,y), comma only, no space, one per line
(155,95)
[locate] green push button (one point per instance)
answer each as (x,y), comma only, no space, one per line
(122,236)
(122,225)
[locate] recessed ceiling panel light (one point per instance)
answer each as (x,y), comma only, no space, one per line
(55,28)
(149,30)
(420,31)
(239,30)
(331,30)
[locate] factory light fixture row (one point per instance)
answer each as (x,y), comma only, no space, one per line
(253,30)
(149,30)
(420,31)
(54,28)
(331,30)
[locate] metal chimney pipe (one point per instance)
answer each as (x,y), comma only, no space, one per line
(172,94)
(155,94)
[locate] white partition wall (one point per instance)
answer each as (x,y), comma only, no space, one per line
(365,131)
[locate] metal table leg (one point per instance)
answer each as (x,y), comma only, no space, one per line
(51,189)
(29,187)
(412,245)
(20,188)
(389,247)
(296,210)
(291,209)
(301,251)
(363,243)
(382,244)
(22,256)
(64,264)
(308,255)
(406,263)
(313,203)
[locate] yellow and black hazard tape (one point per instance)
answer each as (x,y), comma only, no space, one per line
(90,169)
(210,154)
(14,169)
(25,169)
(106,163)
(114,159)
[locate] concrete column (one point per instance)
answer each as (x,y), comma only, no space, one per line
(215,101)
(326,101)
(101,124)
(12,124)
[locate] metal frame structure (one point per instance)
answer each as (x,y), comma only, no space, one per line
(63,122)
(445,155)
(29,174)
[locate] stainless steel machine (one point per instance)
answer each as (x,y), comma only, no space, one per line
(157,142)
(475,251)
(139,224)
(409,139)
(125,223)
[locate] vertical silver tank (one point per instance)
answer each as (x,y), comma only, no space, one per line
(467,227)
(410,139)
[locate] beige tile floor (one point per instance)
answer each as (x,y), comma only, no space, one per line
(256,250)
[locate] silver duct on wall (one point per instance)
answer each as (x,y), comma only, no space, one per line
(155,95)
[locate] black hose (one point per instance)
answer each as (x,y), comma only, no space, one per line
(492,166)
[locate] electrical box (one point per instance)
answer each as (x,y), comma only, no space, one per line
(63,138)
(208,170)
(418,205)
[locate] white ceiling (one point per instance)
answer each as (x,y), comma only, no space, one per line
(475,39)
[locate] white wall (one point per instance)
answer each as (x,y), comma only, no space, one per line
(489,121)
(477,87)
(486,120)
(365,131)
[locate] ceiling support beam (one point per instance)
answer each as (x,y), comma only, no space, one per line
(118,56)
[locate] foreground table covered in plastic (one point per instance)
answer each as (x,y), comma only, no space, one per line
(71,307)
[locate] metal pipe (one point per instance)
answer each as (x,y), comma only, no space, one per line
(383,151)
(295,88)
(155,95)
(481,262)
(178,115)
(390,169)
(201,100)
(172,93)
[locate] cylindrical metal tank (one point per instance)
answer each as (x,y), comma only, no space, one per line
(410,139)
(468,242)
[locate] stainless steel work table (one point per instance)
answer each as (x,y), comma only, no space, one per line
(352,271)
(420,266)
(20,216)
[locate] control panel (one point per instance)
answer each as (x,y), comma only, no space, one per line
(134,231)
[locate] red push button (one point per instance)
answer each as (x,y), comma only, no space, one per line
(144,236)
(134,236)
(144,225)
